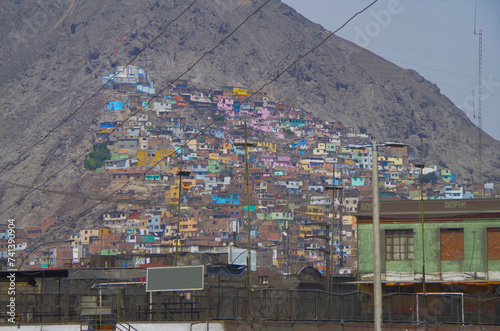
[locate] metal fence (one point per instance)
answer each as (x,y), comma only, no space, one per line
(230,302)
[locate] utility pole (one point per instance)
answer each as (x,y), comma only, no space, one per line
(341,207)
(288,246)
(249,259)
(334,188)
(327,252)
(377,274)
(377,279)
(180,173)
(422,166)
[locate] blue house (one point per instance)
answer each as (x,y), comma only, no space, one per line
(230,199)
(357,181)
(219,133)
(153,223)
(200,171)
(317,188)
(152,177)
(105,125)
(115,105)
(338,182)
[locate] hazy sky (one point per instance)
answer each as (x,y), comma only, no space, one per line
(433,37)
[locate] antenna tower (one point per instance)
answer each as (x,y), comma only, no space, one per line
(480,95)
(479,91)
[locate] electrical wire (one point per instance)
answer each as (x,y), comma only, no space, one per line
(423,52)
(223,115)
(136,112)
(95,93)
(74,194)
(433,69)
(86,197)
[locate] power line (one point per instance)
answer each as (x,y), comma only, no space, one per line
(423,52)
(225,114)
(75,195)
(95,93)
(433,69)
(134,113)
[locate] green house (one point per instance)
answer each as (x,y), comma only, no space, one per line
(109,251)
(460,241)
(214,166)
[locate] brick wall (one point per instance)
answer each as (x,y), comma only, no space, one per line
(452,244)
(494,244)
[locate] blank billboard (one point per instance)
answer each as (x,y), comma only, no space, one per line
(182,278)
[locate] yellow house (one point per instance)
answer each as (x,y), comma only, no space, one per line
(147,158)
(188,183)
(217,156)
(240,91)
(304,164)
(305,230)
(360,150)
(142,224)
(316,212)
(188,227)
(396,160)
(172,195)
(267,145)
(103,231)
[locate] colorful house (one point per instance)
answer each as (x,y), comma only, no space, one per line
(115,105)
(228,199)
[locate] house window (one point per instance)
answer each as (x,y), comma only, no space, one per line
(452,244)
(399,245)
(493,243)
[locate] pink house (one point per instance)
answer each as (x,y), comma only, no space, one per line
(225,105)
(284,158)
(266,113)
(267,161)
(283,164)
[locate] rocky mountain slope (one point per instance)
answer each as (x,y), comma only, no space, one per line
(54,53)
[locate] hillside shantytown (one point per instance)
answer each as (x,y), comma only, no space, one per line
(294,158)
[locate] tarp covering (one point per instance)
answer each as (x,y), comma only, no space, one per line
(229,270)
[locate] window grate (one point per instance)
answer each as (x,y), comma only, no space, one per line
(399,245)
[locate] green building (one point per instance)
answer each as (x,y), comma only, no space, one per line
(461,241)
